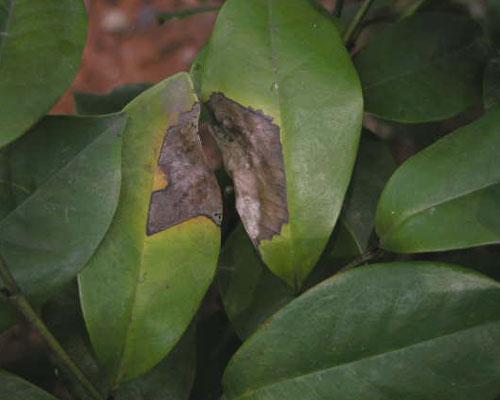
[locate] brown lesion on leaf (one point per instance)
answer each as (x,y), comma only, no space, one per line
(251,149)
(185,187)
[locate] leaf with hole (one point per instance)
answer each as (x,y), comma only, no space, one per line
(447,196)
(286,108)
(41,43)
(159,256)
(396,331)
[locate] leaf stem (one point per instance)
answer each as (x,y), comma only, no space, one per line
(339,7)
(369,255)
(352,29)
(14,295)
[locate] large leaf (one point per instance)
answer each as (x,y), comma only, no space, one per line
(447,196)
(397,331)
(144,284)
(286,107)
(41,43)
(424,68)
(251,293)
(14,388)
(63,187)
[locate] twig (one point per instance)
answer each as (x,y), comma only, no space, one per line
(363,258)
(352,29)
(14,295)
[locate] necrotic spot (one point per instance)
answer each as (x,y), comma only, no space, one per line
(251,148)
(192,188)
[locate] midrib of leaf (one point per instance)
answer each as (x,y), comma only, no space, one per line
(131,313)
(274,63)
(454,53)
(414,212)
(62,170)
(5,33)
(251,392)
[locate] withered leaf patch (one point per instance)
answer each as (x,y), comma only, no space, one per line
(191,188)
(251,149)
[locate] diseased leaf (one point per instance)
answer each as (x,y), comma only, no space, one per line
(15,388)
(491,84)
(286,110)
(114,101)
(160,254)
(447,196)
(41,43)
(251,293)
(424,68)
(64,185)
(396,331)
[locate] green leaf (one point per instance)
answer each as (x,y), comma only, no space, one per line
(15,388)
(424,68)
(447,196)
(172,378)
(41,43)
(251,293)
(491,84)
(287,108)
(144,284)
(114,101)
(397,331)
(64,187)
(373,169)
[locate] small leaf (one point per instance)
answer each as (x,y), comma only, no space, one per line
(114,101)
(396,331)
(424,68)
(64,185)
(251,293)
(15,388)
(159,257)
(41,43)
(286,109)
(491,84)
(447,196)
(373,169)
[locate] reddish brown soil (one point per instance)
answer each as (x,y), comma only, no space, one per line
(126,44)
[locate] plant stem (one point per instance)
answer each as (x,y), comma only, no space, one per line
(15,296)
(363,258)
(339,6)
(349,34)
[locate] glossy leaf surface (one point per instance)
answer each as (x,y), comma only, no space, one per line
(63,187)
(424,68)
(160,254)
(408,331)
(41,43)
(448,195)
(14,388)
(284,94)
